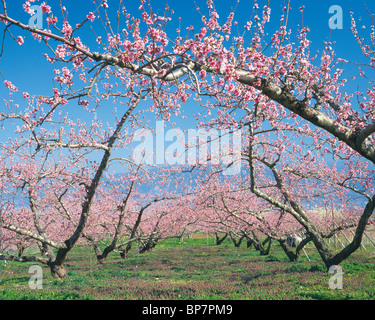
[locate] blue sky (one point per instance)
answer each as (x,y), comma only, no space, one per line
(26,67)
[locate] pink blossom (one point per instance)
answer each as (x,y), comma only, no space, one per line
(20,40)
(60,51)
(67,29)
(26,6)
(49,59)
(10,86)
(64,101)
(51,20)
(55,92)
(84,103)
(45,8)
(91,16)
(36,36)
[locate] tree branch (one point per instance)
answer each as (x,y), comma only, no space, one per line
(58,245)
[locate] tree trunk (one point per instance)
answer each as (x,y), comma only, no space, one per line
(248,243)
(21,248)
(56,265)
(58,271)
(357,240)
(236,243)
(263,251)
(289,252)
(258,244)
(218,240)
(100,258)
(320,244)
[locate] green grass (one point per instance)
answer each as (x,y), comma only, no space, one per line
(193,270)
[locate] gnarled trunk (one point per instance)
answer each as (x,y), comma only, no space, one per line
(219,240)
(236,242)
(294,256)
(252,239)
(58,271)
(357,240)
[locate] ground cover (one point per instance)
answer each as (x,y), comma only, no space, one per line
(193,269)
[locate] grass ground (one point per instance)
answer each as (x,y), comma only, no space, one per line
(194,270)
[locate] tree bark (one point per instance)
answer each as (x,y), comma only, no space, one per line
(293,256)
(357,240)
(258,244)
(58,270)
(236,242)
(219,240)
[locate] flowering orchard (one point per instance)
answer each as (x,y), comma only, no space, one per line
(67,173)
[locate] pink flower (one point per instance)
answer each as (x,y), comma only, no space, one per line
(51,20)
(26,95)
(36,36)
(64,101)
(49,59)
(84,103)
(91,17)
(26,6)
(10,86)
(45,8)
(55,92)
(67,28)
(20,40)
